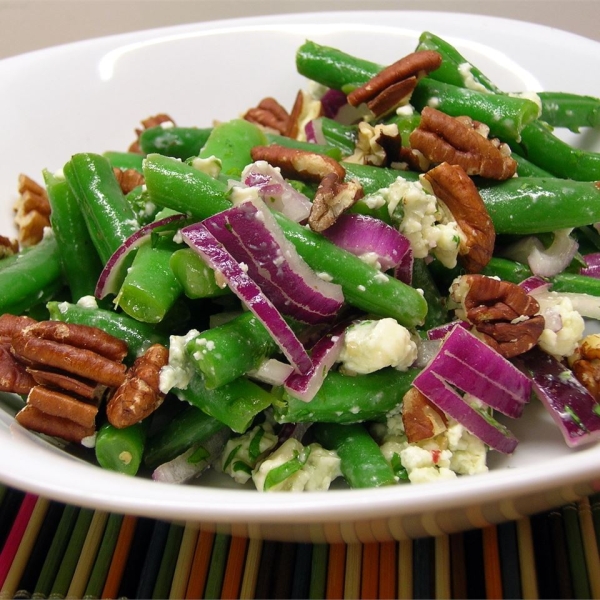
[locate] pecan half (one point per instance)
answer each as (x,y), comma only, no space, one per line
(394,85)
(32,211)
(148,123)
(55,403)
(502,312)
(585,364)
(13,374)
(269,114)
(442,138)
(139,395)
(35,420)
(456,190)
(298,164)
(332,198)
(422,420)
(377,145)
(128,179)
(8,246)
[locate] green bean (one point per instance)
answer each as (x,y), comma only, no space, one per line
(540,146)
(506,116)
(188,427)
(346,398)
(194,275)
(109,217)
(362,463)
(341,136)
(121,450)
(80,262)
(229,351)
(572,111)
(178,142)
(373,179)
(526,205)
(139,336)
(150,287)
(328,150)
(437,313)
(124,160)
(175,185)
(235,404)
(31,276)
(231,142)
(526,168)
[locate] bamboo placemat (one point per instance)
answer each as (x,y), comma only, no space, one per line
(52,550)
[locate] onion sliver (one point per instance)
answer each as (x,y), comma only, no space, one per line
(276,191)
(466,363)
(324,354)
(111,276)
(216,256)
(364,235)
(572,407)
(252,236)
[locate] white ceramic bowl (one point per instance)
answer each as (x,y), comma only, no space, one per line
(91,95)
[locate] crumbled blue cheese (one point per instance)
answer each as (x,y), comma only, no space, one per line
(180,369)
(87,302)
(464,70)
(564,325)
(320,467)
(241,454)
(371,345)
(210,166)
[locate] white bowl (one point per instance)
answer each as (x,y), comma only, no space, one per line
(90,96)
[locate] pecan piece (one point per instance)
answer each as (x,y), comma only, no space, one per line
(456,190)
(332,198)
(128,179)
(139,395)
(13,374)
(585,363)
(35,420)
(269,114)
(442,138)
(32,211)
(55,403)
(422,420)
(394,85)
(504,314)
(298,164)
(83,351)
(8,246)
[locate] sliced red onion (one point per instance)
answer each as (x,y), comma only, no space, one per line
(426,352)
(362,234)
(206,245)
(314,132)
(592,268)
(487,429)
(585,304)
(534,284)
(404,270)
(276,191)
(545,262)
(331,101)
(440,332)
(572,407)
(468,364)
(111,276)
(272,371)
(324,354)
(185,466)
(252,236)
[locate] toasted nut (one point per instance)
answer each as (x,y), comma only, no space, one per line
(377,145)
(10,325)
(408,69)
(32,211)
(457,191)
(332,198)
(128,179)
(13,375)
(270,114)
(585,363)
(298,164)
(139,395)
(81,388)
(442,138)
(8,246)
(55,403)
(148,123)
(422,420)
(35,420)
(504,314)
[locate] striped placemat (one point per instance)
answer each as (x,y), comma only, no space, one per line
(52,550)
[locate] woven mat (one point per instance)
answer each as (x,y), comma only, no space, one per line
(52,550)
